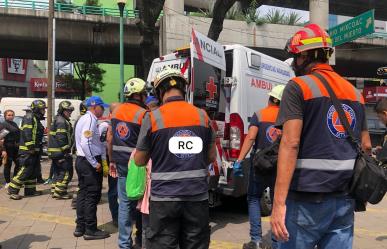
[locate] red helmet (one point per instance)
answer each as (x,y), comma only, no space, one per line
(312,36)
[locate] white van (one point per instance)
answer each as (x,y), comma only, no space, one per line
(18,105)
(243,90)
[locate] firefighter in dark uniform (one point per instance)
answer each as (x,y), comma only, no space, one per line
(179,188)
(59,149)
(30,142)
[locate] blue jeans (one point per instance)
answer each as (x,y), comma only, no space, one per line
(256,186)
(113,197)
(327,224)
(126,208)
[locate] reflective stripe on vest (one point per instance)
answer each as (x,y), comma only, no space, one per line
(167,176)
(123,148)
(325,164)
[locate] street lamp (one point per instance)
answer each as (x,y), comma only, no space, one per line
(121,6)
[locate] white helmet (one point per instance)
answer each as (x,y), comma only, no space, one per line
(134,85)
(277,91)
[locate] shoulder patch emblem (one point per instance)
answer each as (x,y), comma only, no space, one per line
(88,133)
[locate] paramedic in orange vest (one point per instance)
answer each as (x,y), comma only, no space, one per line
(126,123)
(262,133)
(311,206)
(180,141)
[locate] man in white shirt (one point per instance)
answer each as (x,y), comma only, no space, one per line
(89,170)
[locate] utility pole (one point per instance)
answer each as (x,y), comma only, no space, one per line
(50,67)
(319,14)
(121,6)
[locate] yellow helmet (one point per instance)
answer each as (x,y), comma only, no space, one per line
(169,75)
(277,91)
(134,85)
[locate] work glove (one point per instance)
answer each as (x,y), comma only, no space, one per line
(237,168)
(105,168)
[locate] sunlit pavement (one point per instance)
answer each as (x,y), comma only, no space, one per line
(42,222)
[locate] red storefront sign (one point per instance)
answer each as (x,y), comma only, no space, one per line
(373,94)
(40,85)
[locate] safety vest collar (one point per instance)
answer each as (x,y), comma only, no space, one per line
(322,66)
(174,98)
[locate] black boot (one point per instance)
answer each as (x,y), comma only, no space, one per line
(79,231)
(97,234)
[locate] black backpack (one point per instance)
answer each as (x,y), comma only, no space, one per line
(265,160)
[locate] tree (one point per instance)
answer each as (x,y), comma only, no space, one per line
(92,3)
(147,28)
(90,77)
(221,8)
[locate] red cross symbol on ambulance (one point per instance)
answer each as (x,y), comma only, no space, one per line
(211,88)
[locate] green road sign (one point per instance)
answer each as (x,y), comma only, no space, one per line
(354,28)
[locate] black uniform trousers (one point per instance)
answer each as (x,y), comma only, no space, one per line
(178,224)
(89,193)
(63,174)
(26,175)
(11,157)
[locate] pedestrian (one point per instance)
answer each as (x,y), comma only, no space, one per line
(179,140)
(59,150)
(104,128)
(381,112)
(311,206)
(82,111)
(11,146)
(89,170)
(126,123)
(29,147)
(262,133)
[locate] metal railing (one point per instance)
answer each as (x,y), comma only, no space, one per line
(68,8)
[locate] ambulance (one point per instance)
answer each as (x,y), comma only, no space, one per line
(230,89)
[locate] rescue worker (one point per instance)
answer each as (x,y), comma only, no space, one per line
(29,147)
(261,134)
(316,159)
(59,150)
(11,146)
(181,143)
(89,170)
(126,123)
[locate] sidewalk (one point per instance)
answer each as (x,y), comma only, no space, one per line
(42,222)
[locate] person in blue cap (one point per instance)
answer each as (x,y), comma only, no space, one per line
(89,169)
(152,102)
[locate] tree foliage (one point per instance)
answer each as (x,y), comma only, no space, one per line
(89,78)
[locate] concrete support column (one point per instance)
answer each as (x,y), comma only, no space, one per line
(172,7)
(319,12)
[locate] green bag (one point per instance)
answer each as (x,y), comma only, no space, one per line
(135,181)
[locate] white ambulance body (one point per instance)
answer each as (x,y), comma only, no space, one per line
(249,77)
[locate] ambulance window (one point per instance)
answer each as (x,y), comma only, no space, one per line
(255,61)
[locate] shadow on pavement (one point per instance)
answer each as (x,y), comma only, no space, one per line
(108,227)
(381,238)
(232,211)
(23,241)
